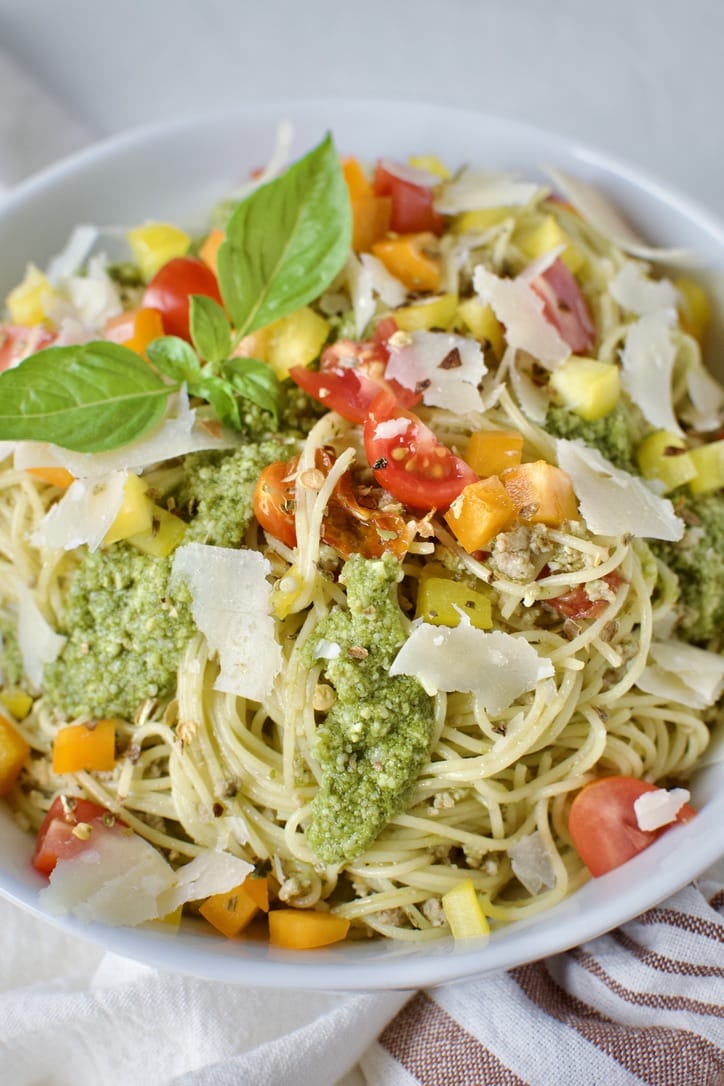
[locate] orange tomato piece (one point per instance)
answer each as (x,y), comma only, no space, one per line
(14,753)
(135,328)
(413,259)
(304,929)
(541,493)
(209,251)
(490,452)
(85,746)
(370,213)
(481,511)
(60,477)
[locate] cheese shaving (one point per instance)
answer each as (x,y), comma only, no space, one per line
(83,515)
(474,190)
(38,642)
(532,863)
(520,310)
(632,288)
(683,673)
(447,368)
(648,358)
(659,808)
(613,502)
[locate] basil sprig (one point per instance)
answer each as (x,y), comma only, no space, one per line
(284,245)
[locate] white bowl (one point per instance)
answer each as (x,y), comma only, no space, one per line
(176,172)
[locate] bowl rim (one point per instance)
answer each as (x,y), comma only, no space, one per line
(429,964)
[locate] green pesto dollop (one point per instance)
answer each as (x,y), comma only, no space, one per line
(375,739)
(611,435)
(126,627)
(11,660)
(697,559)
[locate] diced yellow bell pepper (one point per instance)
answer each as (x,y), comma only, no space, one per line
(694,307)
(134,516)
(709,464)
(541,493)
(481,511)
(463,912)
(490,452)
(303,929)
(26,303)
(547,235)
(154,244)
(440,601)
(14,753)
(295,340)
(413,259)
(430,313)
(431,164)
(209,251)
(17,703)
(478,221)
(483,324)
(588,387)
(163,535)
(663,456)
(85,746)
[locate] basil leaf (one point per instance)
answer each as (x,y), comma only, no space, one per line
(220,395)
(88,398)
(255,381)
(210,329)
(176,358)
(286,242)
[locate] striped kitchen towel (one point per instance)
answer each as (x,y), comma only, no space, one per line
(644,1004)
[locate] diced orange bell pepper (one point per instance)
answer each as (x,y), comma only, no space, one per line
(370,214)
(54,476)
(303,929)
(85,746)
(209,251)
(14,753)
(481,511)
(411,258)
(231,912)
(491,451)
(135,328)
(541,493)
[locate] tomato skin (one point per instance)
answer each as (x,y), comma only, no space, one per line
(565,307)
(407,459)
(171,287)
(274,500)
(17,341)
(413,210)
(603,825)
(56,840)
(576,604)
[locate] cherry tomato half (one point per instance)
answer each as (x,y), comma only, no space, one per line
(603,822)
(565,307)
(275,499)
(577,604)
(18,341)
(407,459)
(56,839)
(412,205)
(171,287)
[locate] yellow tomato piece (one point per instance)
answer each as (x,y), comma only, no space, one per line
(548,235)
(154,244)
(694,307)
(481,511)
(134,516)
(59,477)
(85,746)
(163,534)
(431,164)
(663,456)
(413,259)
(295,340)
(489,452)
(484,325)
(17,703)
(588,387)
(541,493)
(481,220)
(463,912)
(430,313)
(303,929)
(26,303)
(440,601)
(709,464)
(14,753)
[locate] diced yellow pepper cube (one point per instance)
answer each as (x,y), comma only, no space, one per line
(14,753)
(588,387)
(463,912)
(295,340)
(85,746)
(541,493)
(17,703)
(663,456)
(154,244)
(427,314)
(134,516)
(490,452)
(481,511)
(441,600)
(694,307)
(709,464)
(478,221)
(26,303)
(549,235)
(483,324)
(163,535)
(431,164)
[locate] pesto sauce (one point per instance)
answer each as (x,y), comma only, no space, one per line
(611,435)
(375,739)
(11,660)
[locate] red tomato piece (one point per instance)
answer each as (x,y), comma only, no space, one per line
(576,604)
(565,307)
(408,460)
(413,209)
(275,499)
(172,286)
(56,839)
(18,341)
(603,822)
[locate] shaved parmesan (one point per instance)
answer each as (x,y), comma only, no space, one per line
(648,360)
(38,642)
(91,299)
(179,433)
(597,209)
(231,605)
(520,310)
(391,290)
(632,288)
(210,873)
(534,398)
(613,502)
(683,673)
(474,190)
(359,281)
(656,809)
(497,667)
(327,650)
(73,255)
(413,175)
(83,515)
(447,368)
(279,159)
(706,395)
(532,863)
